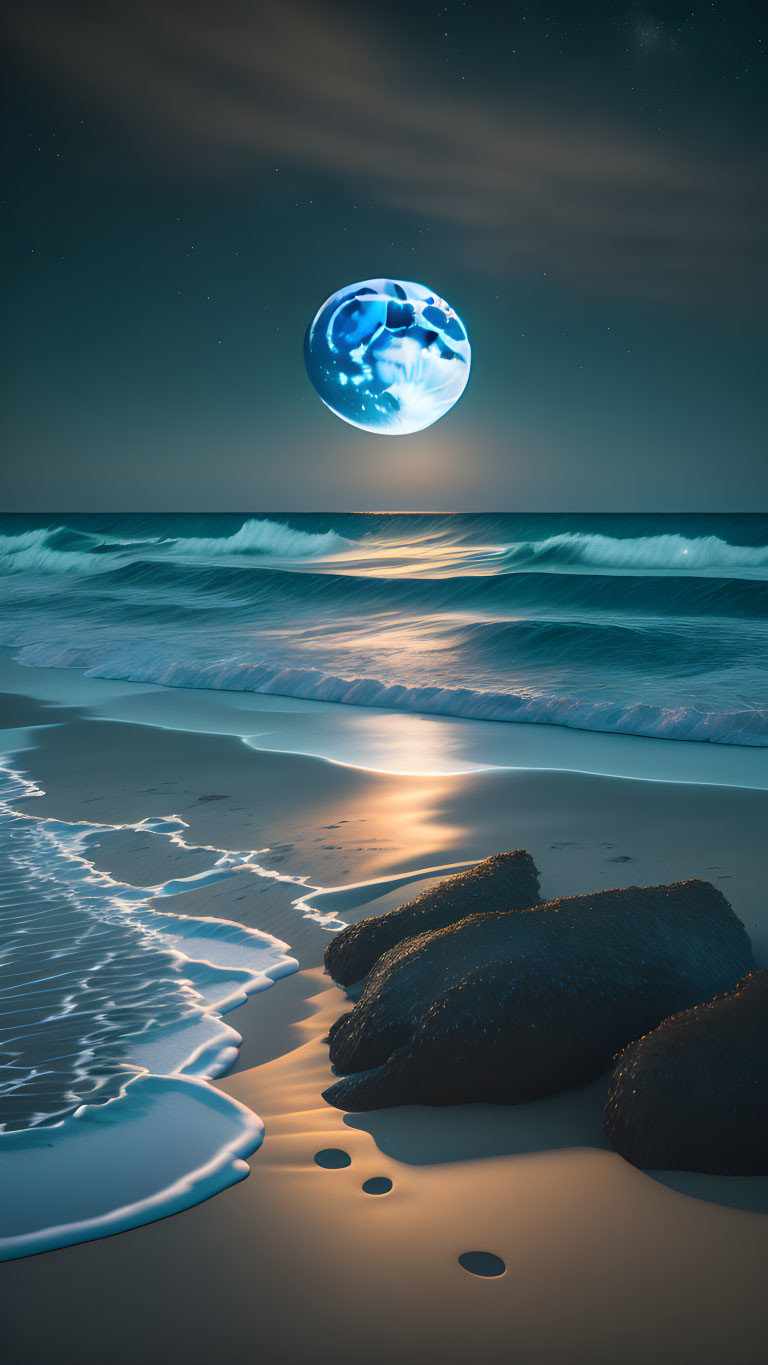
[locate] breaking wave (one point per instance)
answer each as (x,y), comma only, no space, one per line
(37,552)
(59,549)
(746,725)
(263,537)
(644,625)
(645,553)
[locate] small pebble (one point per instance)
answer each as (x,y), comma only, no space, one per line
(378,1184)
(332,1158)
(482,1263)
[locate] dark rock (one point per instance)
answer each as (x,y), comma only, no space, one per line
(693,1094)
(507,881)
(506,1008)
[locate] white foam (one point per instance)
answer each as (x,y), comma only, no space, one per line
(642,553)
(163,1145)
(165,1139)
(264,537)
(526,705)
(36,551)
(31,552)
(112,999)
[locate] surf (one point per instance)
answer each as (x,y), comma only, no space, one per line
(643,625)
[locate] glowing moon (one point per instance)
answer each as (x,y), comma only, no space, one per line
(388,356)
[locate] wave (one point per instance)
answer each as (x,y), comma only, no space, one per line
(451,551)
(647,553)
(553,643)
(657,595)
(81,928)
(747,726)
(121,1082)
(263,537)
(36,552)
(579,622)
(62,550)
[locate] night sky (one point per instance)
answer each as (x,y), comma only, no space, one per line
(187,182)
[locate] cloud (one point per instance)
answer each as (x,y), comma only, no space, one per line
(216,87)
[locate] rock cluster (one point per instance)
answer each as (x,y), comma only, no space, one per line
(476,992)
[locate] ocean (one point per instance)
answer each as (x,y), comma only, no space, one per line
(111,1005)
(650,625)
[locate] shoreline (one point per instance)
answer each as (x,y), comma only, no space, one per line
(576,1226)
(386,741)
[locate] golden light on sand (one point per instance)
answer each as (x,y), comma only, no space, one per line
(408,746)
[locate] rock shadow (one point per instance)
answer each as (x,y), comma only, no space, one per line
(428,1135)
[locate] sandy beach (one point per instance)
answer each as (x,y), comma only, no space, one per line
(383,685)
(602,1260)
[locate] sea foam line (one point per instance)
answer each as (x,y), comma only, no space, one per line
(151,1136)
(136,1132)
(523,706)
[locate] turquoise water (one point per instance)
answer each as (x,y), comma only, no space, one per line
(641,625)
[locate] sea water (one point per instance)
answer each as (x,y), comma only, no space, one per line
(640,625)
(111,1028)
(112,1008)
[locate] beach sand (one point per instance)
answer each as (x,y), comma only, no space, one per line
(604,1263)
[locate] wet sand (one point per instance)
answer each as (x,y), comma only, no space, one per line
(603,1262)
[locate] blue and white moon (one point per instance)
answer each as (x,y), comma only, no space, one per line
(388,356)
